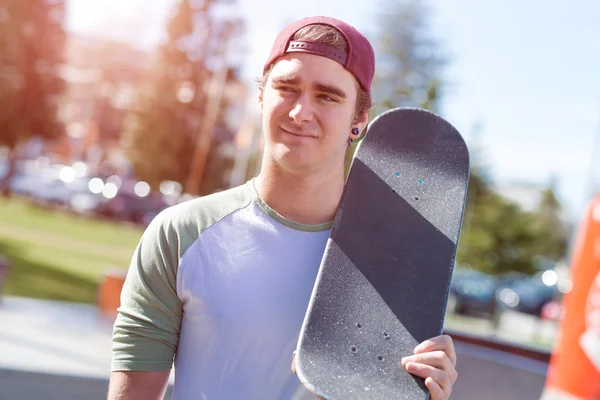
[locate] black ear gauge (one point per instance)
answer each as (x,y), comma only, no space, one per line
(355,132)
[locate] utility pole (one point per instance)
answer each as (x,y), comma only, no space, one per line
(211,111)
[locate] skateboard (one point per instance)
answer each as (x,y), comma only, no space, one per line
(383,283)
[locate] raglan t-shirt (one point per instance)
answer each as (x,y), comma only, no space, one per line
(219,286)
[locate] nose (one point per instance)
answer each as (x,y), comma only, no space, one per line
(302,112)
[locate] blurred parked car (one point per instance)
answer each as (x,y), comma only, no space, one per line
(472,292)
(527,295)
(24,183)
(26,179)
(128,206)
(59,192)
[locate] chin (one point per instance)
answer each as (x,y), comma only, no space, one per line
(291,158)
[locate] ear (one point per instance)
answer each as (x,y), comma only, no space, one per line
(361,123)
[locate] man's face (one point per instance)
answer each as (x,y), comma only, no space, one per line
(308,107)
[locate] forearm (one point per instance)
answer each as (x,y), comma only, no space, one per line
(133,385)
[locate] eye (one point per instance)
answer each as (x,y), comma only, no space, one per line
(327,98)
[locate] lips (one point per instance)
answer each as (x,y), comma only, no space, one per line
(299,134)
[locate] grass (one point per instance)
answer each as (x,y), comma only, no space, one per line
(59,256)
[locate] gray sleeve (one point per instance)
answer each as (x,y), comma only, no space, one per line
(146,330)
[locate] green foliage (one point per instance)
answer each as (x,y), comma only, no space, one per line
(553,236)
(499,236)
(169,116)
(31,49)
(409,60)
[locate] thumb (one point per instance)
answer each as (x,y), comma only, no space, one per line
(294,363)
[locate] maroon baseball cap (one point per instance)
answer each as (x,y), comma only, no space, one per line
(360,59)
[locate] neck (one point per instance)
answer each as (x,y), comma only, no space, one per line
(309,200)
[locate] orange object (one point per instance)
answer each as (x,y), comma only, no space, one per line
(574,370)
(109,291)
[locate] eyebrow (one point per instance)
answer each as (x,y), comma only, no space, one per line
(286,80)
(331,89)
(321,87)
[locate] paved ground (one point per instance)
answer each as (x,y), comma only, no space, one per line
(25,385)
(53,350)
(485,374)
(54,337)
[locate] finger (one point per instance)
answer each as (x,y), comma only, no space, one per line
(436,391)
(427,371)
(442,342)
(294,364)
(437,359)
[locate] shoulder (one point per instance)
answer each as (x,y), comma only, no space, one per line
(185,222)
(206,210)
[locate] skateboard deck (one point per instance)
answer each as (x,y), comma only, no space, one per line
(383,283)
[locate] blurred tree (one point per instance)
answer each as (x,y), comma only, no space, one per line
(498,235)
(551,228)
(172,116)
(31,52)
(409,61)
(500,238)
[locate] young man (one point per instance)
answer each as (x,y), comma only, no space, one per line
(220,284)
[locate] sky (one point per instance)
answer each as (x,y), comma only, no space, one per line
(526,72)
